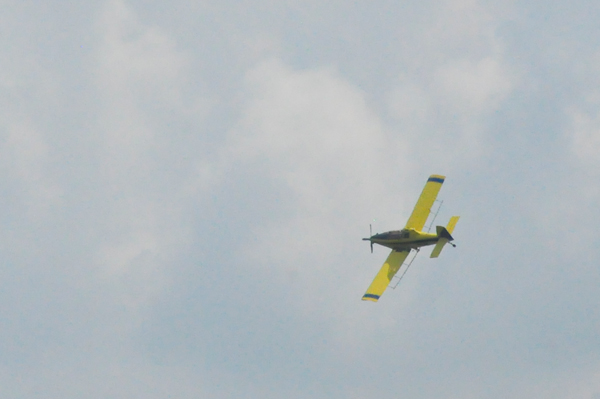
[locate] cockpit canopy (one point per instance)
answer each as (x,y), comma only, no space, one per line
(394,235)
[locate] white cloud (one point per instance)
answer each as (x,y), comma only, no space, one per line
(445,93)
(583,385)
(137,60)
(321,140)
(585,133)
(25,155)
(330,163)
(139,74)
(316,129)
(473,86)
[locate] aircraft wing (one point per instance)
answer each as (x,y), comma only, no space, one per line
(386,273)
(423,207)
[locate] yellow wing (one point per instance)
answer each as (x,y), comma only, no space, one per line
(423,207)
(386,273)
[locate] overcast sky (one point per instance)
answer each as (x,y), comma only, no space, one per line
(185,186)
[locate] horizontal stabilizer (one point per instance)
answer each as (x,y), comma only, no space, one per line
(445,236)
(438,247)
(452,223)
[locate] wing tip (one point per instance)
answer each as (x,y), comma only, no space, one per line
(370,297)
(436,178)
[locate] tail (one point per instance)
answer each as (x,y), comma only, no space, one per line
(444,234)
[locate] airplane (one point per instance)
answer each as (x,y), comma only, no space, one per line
(410,237)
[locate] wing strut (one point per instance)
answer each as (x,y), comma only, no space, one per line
(398,279)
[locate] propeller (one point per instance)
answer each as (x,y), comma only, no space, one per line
(371,235)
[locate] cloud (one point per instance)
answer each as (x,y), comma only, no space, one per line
(107,205)
(581,133)
(451,82)
(315,134)
(141,78)
(473,87)
(585,131)
(136,60)
(317,128)
(26,159)
(195,231)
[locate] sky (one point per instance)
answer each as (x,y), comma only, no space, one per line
(185,186)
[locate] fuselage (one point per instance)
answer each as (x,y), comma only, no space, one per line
(403,240)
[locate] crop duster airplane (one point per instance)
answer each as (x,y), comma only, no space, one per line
(410,237)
